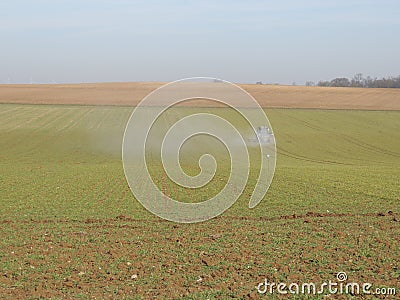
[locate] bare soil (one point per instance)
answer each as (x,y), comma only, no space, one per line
(269,96)
(151,259)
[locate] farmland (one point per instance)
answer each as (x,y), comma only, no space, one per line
(272,96)
(71,227)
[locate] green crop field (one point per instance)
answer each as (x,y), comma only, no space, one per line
(70,226)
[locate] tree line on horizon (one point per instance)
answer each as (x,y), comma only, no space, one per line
(359,80)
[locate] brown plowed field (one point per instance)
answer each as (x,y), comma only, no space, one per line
(129,94)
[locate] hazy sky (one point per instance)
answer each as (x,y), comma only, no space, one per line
(240,41)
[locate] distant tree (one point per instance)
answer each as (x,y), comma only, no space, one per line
(369,82)
(310,83)
(397,82)
(342,82)
(323,83)
(359,81)
(259,82)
